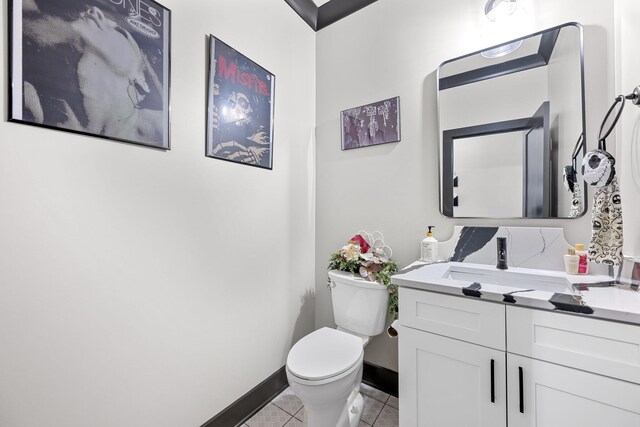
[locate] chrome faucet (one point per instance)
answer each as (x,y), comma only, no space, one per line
(502,253)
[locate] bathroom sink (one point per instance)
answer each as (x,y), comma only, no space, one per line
(521,278)
(456,275)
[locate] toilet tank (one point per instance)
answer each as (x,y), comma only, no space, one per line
(359,305)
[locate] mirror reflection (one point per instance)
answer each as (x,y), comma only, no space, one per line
(511,124)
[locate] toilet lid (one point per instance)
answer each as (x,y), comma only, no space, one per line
(323,354)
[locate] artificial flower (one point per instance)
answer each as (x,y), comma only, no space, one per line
(360,241)
(376,255)
(350,252)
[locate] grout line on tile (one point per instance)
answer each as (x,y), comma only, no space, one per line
(378,416)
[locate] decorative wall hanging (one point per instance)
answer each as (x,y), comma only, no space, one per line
(240,108)
(371,124)
(96,67)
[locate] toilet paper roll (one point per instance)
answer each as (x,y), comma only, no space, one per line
(392,330)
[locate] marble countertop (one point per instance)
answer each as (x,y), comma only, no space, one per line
(589,295)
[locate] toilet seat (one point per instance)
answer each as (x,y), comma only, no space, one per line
(324,354)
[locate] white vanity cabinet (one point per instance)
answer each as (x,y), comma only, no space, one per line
(565,370)
(467,362)
(452,361)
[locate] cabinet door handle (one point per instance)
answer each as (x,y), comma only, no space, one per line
(521,387)
(493,382)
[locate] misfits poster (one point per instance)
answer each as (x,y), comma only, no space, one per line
(98,67)
(372,124)
(240,108)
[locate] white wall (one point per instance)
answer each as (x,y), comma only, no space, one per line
(490,176)
(149,288)
(627,78)
(393,48)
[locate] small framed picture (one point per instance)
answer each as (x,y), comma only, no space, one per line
(96,67)
(240,108)
(371,124)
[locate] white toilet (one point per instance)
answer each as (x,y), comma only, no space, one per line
(324,368)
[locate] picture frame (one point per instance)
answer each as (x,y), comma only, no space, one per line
(95,67)
(240,108)
(371,124)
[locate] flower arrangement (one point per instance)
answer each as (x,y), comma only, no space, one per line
(368,256)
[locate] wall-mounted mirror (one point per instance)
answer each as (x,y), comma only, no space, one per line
(511,119)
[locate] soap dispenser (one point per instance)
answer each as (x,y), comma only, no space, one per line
(571,261)
(429,248)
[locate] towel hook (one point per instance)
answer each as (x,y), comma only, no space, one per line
(634,96)
(620,99)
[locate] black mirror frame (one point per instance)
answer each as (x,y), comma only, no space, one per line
(507,67)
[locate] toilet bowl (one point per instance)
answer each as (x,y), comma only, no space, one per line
(324,368)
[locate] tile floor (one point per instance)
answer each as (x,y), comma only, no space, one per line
(380,410)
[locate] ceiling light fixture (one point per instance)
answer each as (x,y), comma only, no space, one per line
(502,50)
(497,10)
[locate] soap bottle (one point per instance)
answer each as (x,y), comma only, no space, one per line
(429,248)
(571,262)
(583,263)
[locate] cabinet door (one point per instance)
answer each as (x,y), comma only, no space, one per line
(449,383)
(543,394)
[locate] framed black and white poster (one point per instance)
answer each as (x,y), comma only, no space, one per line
(96,67)
(240,108)
(371,124)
